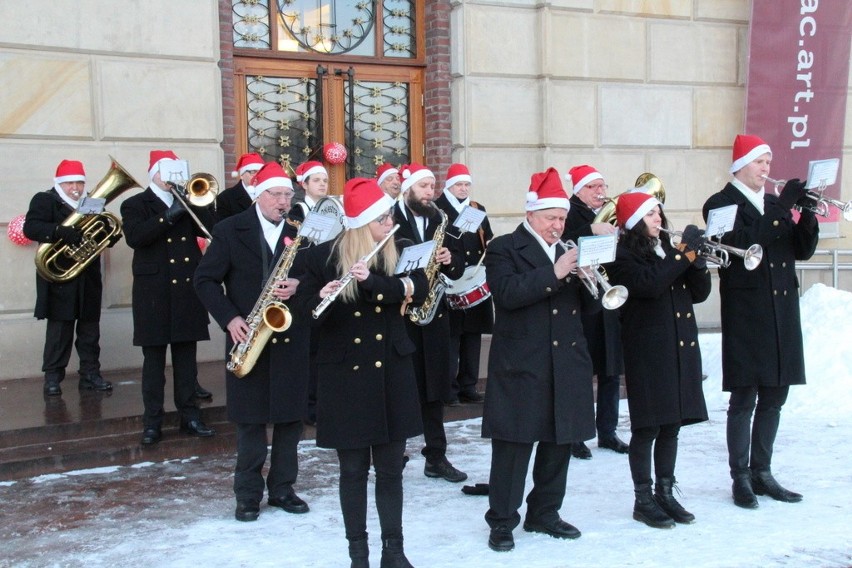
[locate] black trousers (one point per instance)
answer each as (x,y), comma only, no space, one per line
(765,403)
(659,440)
(465,350)
(251,456)
(185,370)
(58,339)
(387,461)
(509,464)
(606,413)
(434,434)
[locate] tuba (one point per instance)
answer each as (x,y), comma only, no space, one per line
(646,183)
(61,262)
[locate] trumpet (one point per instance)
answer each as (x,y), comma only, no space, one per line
(200,191)
(821,202)
(719,254)
(594,277)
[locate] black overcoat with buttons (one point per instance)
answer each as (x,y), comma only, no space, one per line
(761,324)
(166,308)
(366,389)
(662,358)
(432,362)
(479,318)
(233,200)
(78,298)
(539,370)
(276,389)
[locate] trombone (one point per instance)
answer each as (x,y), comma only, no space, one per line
(719,254)
(200,191)
(594,277)
(821,202)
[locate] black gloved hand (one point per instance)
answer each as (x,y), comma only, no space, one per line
(174,212)
(692,238)
(700,262)
(793,191)
(68,235)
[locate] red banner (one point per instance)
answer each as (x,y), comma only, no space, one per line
(798,75)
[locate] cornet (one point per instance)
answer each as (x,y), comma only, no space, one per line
(718,254)
(821,202)
(593,277)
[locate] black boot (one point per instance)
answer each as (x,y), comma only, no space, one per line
(51,383)
(392,554)
(667,502)
(359,552)
(764,484)
(94,381)
(743,493)
(646,510)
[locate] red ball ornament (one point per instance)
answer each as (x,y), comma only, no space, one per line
(202,243)
(15,231)
(335,153)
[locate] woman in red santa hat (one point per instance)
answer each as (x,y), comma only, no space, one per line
(662,359)
(367,403)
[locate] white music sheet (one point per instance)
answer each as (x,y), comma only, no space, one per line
(318,228)
(175,171)
(822,173)
(596,249)
(469,219)
(720,220)
(414,257)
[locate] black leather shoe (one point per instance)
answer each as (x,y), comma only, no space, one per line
(471,397)
(453,402)
(197,428)
(201,392)
(292,503)
(764,484)
(151,436)
(52,389)
(613,443)
(444,469)
(581,451)
(556,528)
(743,492)
(94,382)
(247,511)
(501,539)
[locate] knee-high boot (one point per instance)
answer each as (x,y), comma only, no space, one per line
(668,503)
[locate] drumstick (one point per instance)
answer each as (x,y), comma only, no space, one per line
(481,258)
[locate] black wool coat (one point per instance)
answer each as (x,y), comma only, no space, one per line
(480,318)
(232,201)
(662,357)
(761,324)
(539,370)
(366,388)
(229,280)
(166,308)
(79,298)
(432,361)
(602,329)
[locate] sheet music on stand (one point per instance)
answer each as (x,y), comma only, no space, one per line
(596,249)
(174,171)
(822,173)
(319,228)
(469,219)
(720,220)
(414,257)
(91,205)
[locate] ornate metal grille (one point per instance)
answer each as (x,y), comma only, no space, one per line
(251,24)
(399,36)
(328,26)
(282,118)
(381,130)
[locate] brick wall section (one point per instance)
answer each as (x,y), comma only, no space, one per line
(438,134)
(226,68)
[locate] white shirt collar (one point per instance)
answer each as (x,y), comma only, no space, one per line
(550,250)
(71,203)
(755,197)
(165,196)
(454,201)
(271,232)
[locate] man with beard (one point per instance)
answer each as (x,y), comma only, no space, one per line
(419,221)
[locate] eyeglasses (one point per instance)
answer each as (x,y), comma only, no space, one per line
(602,186)
(280,194)
(382,218)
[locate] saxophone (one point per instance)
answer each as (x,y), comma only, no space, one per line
(269,315)
(438,283)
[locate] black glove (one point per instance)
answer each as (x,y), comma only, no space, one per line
(793,191)
(174,212)
(700,262)
(68,235)
(692,238)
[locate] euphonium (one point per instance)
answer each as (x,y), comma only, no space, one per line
(438,283)
(61,262)
(646,183)
(269,315)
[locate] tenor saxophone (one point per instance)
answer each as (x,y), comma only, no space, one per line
(438,283)
(269,315)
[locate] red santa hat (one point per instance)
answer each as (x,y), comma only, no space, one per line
(455,174)
(156,157)
(364,201)
(307,169)
(632,206)
(546,191)
(580,176)
(69,170)
(412,173)
(747,148)
(247,163)
(383,171)
(269,176)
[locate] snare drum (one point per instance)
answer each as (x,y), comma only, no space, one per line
(469,290)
